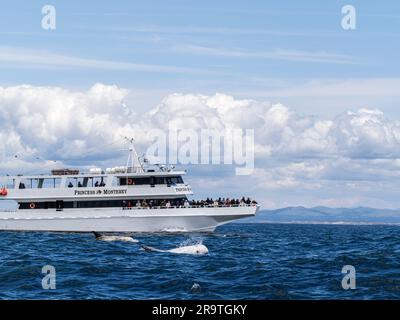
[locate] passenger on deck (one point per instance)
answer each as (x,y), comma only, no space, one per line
(168,204)
(186,204)
(80,185)
(97,184)
(21,185)
(70,185)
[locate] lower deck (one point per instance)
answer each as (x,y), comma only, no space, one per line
(122,203)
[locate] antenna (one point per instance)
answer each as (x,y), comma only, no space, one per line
(133,163)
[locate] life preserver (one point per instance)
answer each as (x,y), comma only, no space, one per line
(130,181)
(3,192)
(32,205)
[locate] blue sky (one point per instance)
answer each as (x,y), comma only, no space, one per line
(293,53)
(196,39)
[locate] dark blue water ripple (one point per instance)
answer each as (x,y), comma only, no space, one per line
(263,261)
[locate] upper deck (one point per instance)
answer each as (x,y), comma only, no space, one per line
(133,181)
(101,185)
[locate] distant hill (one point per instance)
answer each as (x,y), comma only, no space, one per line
(327,215)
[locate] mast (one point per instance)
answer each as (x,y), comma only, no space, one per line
(133,163)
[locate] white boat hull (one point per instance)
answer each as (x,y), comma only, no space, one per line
(204,219)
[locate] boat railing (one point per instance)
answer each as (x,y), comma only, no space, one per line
(190,206)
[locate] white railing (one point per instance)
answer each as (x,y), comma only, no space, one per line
(191,206)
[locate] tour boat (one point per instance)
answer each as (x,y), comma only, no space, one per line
(134,198)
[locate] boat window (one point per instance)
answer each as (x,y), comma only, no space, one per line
(25,184)
(160,180)
(114,181)
(99,182)
(34,183)
(50,183)
(86,182)
(11,184)
(79,182)
(90,183)
(39,183)
(134,181)
(139,181)
(71,182)
(174,180)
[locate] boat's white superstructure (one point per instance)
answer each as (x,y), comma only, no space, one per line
(125,199)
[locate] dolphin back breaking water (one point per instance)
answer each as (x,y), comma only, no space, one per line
(197,249)
(102,237)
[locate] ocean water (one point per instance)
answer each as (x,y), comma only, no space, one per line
(246,261)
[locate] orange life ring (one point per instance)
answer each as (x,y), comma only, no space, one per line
(32,205)
(130,181)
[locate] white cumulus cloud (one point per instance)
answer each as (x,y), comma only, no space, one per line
(291,150)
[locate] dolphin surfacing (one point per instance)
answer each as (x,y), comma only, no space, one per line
(197,249)
(101,237)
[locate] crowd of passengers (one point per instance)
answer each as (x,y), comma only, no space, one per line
(209,202)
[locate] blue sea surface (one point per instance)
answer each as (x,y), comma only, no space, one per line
(246,261)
